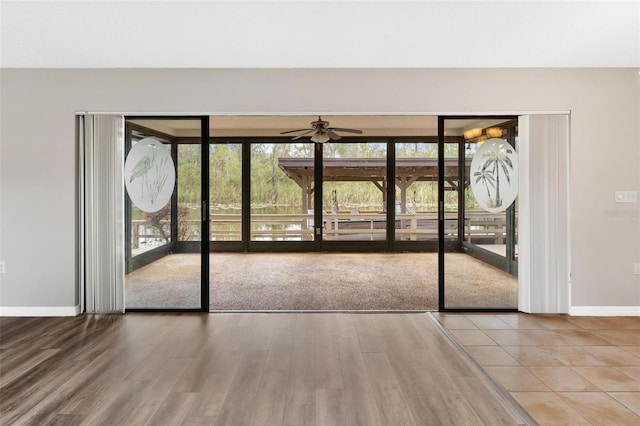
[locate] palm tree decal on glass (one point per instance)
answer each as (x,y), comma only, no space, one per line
(494,178)
(149,175)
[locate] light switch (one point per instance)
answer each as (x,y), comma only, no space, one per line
(626,196)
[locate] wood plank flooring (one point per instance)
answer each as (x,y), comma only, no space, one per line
(239,369)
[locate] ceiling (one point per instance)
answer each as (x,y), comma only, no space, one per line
(349,34)
(272,125)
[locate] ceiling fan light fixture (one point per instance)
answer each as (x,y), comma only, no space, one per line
(321,132)
(320,137)
(472,133)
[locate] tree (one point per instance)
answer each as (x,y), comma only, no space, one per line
(162,218)
(156,220)
(189,172)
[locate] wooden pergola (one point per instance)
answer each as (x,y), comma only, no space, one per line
(408,171)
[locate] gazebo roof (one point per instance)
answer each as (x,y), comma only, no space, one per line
(370,169)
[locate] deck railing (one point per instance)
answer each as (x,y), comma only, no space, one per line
(478,227)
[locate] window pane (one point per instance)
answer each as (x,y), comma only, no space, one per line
(164,270)
(282,191)
(225,191)
(189,195)
(480,266)
(416,191)
(149,230)
(355,191)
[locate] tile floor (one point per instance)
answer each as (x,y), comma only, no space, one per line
(560,369)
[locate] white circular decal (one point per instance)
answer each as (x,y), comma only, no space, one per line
(494,175)
(149,175)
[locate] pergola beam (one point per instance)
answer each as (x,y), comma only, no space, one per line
(408,171)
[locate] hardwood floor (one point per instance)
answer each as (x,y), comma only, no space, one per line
(240,369)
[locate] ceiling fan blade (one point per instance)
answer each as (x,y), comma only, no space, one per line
(339,129)
(293,131)
(302,134)
(333,135)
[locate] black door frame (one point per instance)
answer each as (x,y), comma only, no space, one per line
(246,245)
(175,245)
(459,245)
(318,244)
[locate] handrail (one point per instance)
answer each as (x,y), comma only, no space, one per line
(478,225)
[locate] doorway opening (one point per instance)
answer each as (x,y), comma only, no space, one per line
(260,222)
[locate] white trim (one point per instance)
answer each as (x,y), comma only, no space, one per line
(39,311)
(605,311)
(81,214)
(524,220)
(326,113)
(569,291)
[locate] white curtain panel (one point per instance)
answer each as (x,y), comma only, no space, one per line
(543,228)
(102,213)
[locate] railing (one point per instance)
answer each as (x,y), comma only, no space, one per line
(424,226)
(409,227)
(281,227)
(341,226)
(485,227)
(145,236)
(478,227)
(225,227)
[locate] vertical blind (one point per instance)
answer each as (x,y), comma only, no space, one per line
(101,213)
(543,233)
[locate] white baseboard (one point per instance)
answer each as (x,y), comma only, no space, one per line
(39,311)
(605,311)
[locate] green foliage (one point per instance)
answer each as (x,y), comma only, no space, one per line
(225,179)
(272,188)
(189,172)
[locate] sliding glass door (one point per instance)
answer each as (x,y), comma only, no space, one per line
(478,194)
(164,218)
(451,197)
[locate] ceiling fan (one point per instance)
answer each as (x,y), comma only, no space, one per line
(321,132)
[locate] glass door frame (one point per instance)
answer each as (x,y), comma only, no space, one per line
(318,244)
(357,246)
(176,245)
(390,244)
(249,245)
(458,244)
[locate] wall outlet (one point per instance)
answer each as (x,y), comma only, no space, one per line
(626,196)
(2,270)
(636,268)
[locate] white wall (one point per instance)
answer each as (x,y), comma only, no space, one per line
(37,152)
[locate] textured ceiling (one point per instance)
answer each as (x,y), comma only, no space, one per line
(319,34)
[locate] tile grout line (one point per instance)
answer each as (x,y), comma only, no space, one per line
(502,393)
